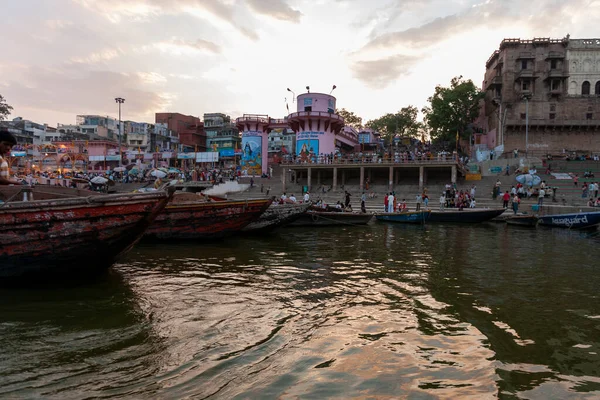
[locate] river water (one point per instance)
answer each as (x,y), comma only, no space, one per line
(381,311)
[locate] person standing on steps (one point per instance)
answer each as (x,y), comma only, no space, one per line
(505,199)
(419,201)
(363,199)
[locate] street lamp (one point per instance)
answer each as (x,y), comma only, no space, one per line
(294,94)
(332,89)
(308,89)
(120,100)
(526,97)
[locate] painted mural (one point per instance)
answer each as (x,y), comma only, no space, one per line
(308,150)
(251,161)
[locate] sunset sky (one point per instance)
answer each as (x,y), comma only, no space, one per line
(61,58)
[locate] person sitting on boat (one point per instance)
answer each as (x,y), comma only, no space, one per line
(7,141)
(403,206)
(307,197)
(338,206)
(292,198)
(348,208)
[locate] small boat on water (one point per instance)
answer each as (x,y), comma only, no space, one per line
(467,215)
(188,217)
(525,220)
(581,220)
(331,218)
(47,231)
(277,215)
(408,217)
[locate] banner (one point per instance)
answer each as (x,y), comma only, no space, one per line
(207,157)
(18,153)
(113,158)
(186,156)
(96,158)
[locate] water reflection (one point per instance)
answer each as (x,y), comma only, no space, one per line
(378,311)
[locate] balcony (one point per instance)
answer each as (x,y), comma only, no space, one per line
(555,92)
(526,55)
(557,55)
(556,74)
(525,74)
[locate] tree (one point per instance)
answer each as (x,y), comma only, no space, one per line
(350,119)
(452,109)
(403,123)
(4,108)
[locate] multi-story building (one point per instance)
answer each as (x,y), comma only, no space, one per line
(138,135)
(29,132)
(542,95)
(104,126)
(189,129)
(221,134)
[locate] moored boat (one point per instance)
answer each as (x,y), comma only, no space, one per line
(581,220)
(69,231)
(275,216)
(522,220)
(331,218)
(467,215)
(197,219)
(407,217)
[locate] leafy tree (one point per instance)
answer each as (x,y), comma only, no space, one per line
(452,109)
(4,108)
(403,123)
(350,119)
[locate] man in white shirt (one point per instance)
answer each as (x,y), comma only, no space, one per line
(283,197)
(473,190)
(442,201)
(292,198)
(306,197)
(541,195)
(390,203)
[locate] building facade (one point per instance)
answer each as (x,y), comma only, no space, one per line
(188,129)
(222,135)
(542,96)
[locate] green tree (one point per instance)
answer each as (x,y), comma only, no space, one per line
(452,109)
(403,123)
(350,119)
(4,108)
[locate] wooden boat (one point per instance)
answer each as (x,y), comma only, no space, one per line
(467,215)
(525,220)
(328,218)
(277,215)
(408,217)
(196,219)
(582,220)
(66,230)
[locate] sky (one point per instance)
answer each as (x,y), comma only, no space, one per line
(61,58)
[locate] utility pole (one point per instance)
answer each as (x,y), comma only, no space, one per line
(120,100)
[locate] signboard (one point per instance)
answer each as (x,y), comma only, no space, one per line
(113,158)
(364,138)
(226,153)
(96,158)
(307,101)
(186,156)
(18,153)
(207,157)
(148,156)
(309,135)
(166,154)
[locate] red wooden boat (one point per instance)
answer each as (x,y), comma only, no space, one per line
(188,218)
(58,232)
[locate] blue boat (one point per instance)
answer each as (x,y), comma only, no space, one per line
(409,217)
(465,216)
(582,220)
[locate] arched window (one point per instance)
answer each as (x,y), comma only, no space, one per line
(597,89)
(585,88)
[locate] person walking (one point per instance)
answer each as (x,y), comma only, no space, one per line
(515,204)
(505,199)
(541,195)
(442,201)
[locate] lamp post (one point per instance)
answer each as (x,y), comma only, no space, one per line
(294,94)
(332,89)
(120,101)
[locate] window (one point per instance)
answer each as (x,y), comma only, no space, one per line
(552,107)
(555,84)
(308,108)
(597,88)
(553,64)
(585,88)
(524,64)
(523,116)
(525,86)
(588,116)
(552,116)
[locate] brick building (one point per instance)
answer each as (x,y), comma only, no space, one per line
(552,83)
(189,129)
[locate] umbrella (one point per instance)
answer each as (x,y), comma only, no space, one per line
(120,169)
(528,179)
(98,180)
(157,173)
(133,171)
(173,171)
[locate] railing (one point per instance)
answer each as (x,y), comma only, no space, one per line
(316,114)
(351,160)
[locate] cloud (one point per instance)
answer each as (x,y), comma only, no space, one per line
(276,9)
(178,45)
(71,89)
(98,57)
(381,73)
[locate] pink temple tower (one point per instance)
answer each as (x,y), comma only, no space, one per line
(255,131)
(316,126)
